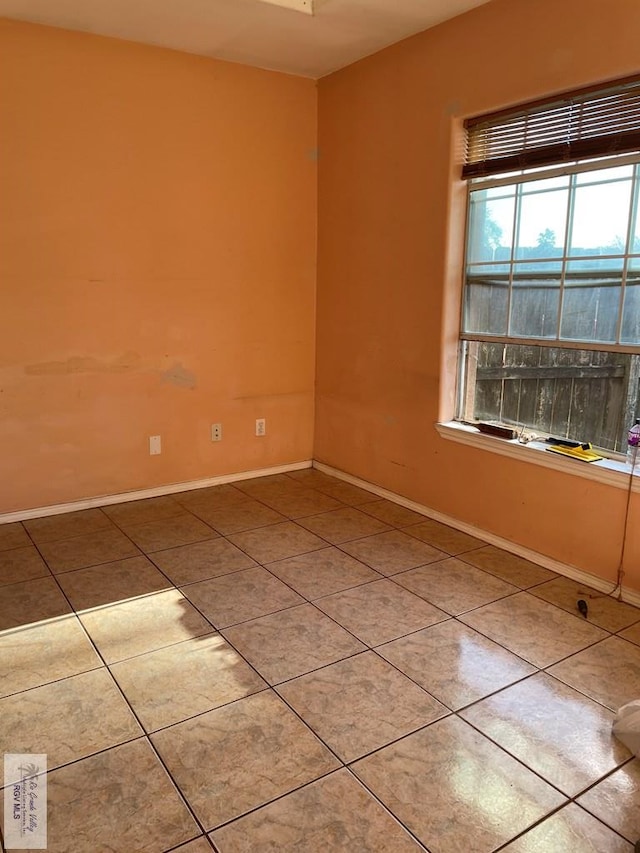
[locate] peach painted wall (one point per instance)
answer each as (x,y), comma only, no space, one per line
(157,265)
(391,216)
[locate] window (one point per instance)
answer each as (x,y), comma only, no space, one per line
(550,333)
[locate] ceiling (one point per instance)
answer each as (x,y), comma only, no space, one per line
(277,34)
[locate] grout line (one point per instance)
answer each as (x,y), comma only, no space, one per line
(183,845)
(386,808)
(277,799)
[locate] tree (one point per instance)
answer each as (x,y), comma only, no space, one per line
(491,237)
(493,234)
(546,241)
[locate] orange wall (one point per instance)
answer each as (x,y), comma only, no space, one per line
(389,266)
(157,265)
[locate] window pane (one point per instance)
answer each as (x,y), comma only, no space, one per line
(490,227)
(542,224)
(545,184)
(590,306)
(486,302)
(600,219)
(597,264)
(631,312)
(535,302)
(635,220)
(582,395)
(600,175)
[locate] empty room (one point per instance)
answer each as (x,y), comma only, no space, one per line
(319,426)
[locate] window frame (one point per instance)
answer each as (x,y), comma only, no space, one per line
(475,179)
(473,184)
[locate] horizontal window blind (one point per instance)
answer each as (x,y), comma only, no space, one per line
(574,126)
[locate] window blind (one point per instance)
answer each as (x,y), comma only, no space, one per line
(578,125)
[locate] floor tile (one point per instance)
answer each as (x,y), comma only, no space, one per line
(341,525)
(200,845)
(333,814)
(277,542)
(201,560)
(392,552)
(30,602)
(110,583)
(292,642)
(311,477)
(21,564)
(322,572)
(603,611)
(123,630)
(67,720)
(360,704)
(180,681)
(121,799)
(238,516)
(495,776)
(570,829)
(392,513)
(632,634)
(66,525)
(421,776)
(13,536)
(33,656)
(615,801)
(90,549)
(275,484)
(380,611)
(346,492)
(240,596)
(139,512)
(552,729)
(169,532)
(445,538)
(608,672)
(516,570)
(516,623)
(211,496)
(455,664)
(454,586)
(241,756)
(301,503)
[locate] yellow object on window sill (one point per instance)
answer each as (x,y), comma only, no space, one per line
(583,452)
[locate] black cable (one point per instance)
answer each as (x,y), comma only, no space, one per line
(581,604)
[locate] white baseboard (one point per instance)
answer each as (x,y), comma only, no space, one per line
(140,494)
(628,595)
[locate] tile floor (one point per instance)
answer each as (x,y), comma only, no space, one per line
(292,663)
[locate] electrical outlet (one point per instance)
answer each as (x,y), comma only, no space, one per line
(155,445)
(216,432)
(261,426)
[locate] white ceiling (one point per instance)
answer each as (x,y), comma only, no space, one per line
(261,33)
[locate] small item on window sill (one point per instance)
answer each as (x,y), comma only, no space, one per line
(525,436)
(563,442)
(582,451)
(496,430)
(582,607)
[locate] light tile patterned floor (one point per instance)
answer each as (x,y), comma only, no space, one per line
(291,663)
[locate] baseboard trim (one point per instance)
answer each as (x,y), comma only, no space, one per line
(155,492)
(628,595)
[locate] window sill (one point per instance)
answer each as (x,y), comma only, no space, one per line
(608,471)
